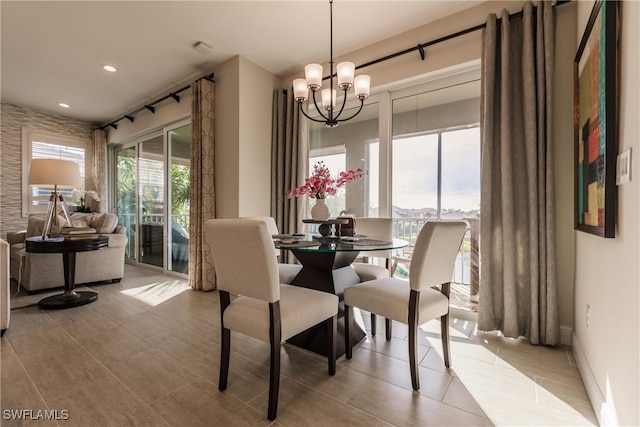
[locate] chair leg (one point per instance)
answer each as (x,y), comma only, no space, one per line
(348,326)
(444,328)
(332,328)
(275,339)
(387,328)
(414,300)
(374,324)
(444,335)
(225,350)
(225,345)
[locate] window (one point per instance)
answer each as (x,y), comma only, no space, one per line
(37,144)
(420,146)
(437,175)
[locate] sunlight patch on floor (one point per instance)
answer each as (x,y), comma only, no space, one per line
(158,292)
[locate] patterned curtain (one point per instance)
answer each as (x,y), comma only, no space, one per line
(518,283)
(289,162)
(202,190)
(99,170)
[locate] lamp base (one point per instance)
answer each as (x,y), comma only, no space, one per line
(58,302)
(52,214)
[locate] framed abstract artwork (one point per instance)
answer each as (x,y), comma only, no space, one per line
(595,122)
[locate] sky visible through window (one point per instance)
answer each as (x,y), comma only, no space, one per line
(415,171)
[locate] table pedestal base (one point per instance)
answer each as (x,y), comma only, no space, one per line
(315,338)
(58,302)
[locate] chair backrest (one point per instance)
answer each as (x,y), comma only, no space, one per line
(244,258)
(435,252)
(378,229)
(271,223)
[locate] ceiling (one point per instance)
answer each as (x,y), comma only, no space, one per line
(53,51)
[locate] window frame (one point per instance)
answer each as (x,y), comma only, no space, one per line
(31,135)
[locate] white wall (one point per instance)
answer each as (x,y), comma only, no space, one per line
(227,119)
(256,104)
(563,135)
(607,270)
(244,96)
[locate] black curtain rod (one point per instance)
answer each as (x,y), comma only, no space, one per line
(421,46)
(150,106)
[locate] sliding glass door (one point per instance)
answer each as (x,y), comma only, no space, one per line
(152,197)
(126,196)
(151,202)
(179,170)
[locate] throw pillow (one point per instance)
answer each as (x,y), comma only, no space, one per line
(81,219)
(104,223)
(35,225)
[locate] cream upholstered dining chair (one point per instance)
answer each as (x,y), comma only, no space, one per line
(245,263)
(286,271)
(414,302)
(379,229)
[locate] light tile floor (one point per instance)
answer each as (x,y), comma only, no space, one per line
(147,354)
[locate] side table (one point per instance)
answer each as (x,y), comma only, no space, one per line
(68,247)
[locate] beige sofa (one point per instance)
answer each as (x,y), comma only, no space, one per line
(5,308)
(36,271)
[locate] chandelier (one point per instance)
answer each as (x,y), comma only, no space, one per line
(346,79)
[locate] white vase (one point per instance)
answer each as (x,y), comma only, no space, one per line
(320,211)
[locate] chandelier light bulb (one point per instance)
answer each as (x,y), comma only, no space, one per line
(313,75)
(345,80)
(346,71)
(328,99)
(362,85)
(300,90)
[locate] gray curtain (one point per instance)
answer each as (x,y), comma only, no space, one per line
(289,161)
(202,188)
(518,282)
(99,170)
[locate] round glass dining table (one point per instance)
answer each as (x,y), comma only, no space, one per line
(325,260)
(326,266)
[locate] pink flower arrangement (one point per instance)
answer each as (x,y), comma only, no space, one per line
(320,183)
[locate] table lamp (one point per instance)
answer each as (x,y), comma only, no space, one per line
(56,173)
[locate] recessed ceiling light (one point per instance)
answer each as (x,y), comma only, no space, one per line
(110,68)
(62,104)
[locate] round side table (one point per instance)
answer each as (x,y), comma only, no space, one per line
(68,247)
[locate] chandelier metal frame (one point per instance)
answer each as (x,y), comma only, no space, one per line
(302,86)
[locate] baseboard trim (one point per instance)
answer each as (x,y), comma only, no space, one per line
(565,335)
(604,414)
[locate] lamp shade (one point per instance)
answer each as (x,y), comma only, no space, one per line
(50,172)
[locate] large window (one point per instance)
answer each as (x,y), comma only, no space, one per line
(37,144)
(420,146)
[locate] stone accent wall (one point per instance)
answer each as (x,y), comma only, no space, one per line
(12,120)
